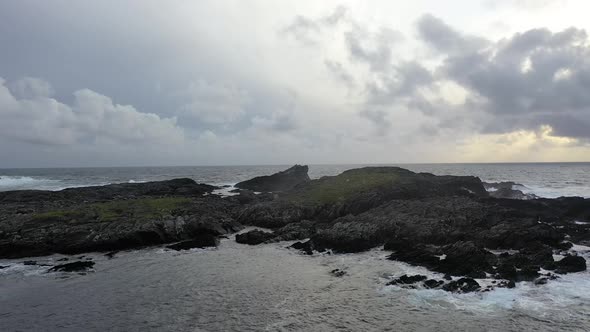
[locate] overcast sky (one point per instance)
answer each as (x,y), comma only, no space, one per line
(120,83)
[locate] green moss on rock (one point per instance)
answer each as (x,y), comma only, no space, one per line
(332,189)
(147,208)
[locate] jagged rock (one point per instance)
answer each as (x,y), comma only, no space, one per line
(305,247)
(338,273)
(280,181)
(254,237)
(407,280)
(432,283)
(72,267)
(463,285)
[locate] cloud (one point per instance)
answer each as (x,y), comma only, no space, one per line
(36,118)
(525,4)
(372,49)
(339,72)
(214,103)
(443,38)
(305,29)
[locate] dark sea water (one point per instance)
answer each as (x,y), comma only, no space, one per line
(543,179)
(270,288)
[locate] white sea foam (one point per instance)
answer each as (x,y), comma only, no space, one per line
(225,190)
(22,181)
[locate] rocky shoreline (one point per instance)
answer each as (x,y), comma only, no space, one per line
(455,225)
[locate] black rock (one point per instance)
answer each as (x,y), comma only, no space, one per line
(202,241)
(305,247)
(571,264)
(541,281)
(432,283)
(63,259)
(30,262)
(72,267)
(507,284)
(280,181)
(407,280)
(111,254)
(463,285)
(338,273)
(3,267)
(254,237)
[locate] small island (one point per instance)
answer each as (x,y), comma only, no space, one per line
(448,224)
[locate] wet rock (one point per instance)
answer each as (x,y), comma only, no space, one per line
(111,254)
(203,241)
(254,237)
(463,285)
(305,247)
(3,266)
(507,190)
(432,283)
(571,264)
(507,284)
(280,181)
(541,281)
(63,259)
(338,273)
(407,280)
(72,267)
(509,271)
(30,263)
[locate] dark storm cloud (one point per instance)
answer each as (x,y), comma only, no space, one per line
(533,78)
(444,38)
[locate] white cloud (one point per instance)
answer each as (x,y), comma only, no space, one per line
(92,117)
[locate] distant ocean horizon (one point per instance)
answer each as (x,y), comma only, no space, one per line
(545,179)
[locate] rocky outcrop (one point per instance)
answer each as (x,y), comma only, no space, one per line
(110,218)
(281,181)
(448,224)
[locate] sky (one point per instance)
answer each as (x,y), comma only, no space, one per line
(231,82)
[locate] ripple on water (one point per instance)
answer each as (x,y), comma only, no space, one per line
(270,288)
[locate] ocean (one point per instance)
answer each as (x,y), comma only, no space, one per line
(237,287)
(543,179)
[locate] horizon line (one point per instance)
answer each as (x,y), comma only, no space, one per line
(316,164)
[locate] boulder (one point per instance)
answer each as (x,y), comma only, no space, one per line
(432,283)
(571,264)
(463,285)
(281,181)
(306,247)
